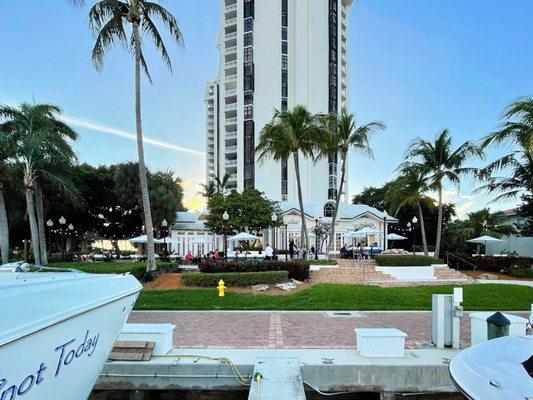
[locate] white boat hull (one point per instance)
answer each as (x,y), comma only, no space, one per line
(63,360)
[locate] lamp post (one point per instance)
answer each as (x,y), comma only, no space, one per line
(409,228)
(274,218)
(164,225)
(415,221)
(385,215)
(50,225)
(286,244)
(225,218)
(62,221)
(316,238)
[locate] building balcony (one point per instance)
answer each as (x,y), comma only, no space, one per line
(231,163)
(230,8)
(230,107)
(230,36)
(230,64)
(210,124)
(233,178)
(230,22)
(231,78)
(231,135)
(231,149)
(231,50)
(231,92)
(231,121)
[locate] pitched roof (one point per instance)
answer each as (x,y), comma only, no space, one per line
(346,211)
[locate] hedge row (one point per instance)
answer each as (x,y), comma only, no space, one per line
(234,278)
(297,269)
(401,260)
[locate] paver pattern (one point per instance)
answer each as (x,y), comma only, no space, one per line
(290,329)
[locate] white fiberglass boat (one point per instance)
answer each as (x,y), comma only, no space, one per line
(498,369)
(57,329)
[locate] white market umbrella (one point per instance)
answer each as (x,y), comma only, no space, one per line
(484,240)
(144,239)
(367,232)
(242,236)
(394,236)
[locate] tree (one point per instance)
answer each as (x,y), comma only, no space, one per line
(322,230)
(374,197)
(344,135)
(478,223)
(438,161)
(41,150)
(6,151)
(517,131)
(108,19)
(209,189)
(289,134)
(409,189)
(215,185)
(249,211)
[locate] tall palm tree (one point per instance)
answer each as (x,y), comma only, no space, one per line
(288,134)
(438,161)
(40,146)
(208,189)
(108,20)
(343,135)
(516,131)
(6,151)
(409,189)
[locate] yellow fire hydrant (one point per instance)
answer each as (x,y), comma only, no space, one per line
(221,288)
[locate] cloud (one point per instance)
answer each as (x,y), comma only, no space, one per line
(81,123)
(462,208)
(196,203)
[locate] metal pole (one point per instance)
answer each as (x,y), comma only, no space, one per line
(414,239)
(316,239)
(62,245)
(224,246)
(286,244)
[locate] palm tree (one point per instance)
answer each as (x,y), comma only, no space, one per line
(518,132)
(409,189)
(479,223)
(108,20)
(40,147)
(289,134)
(437,161)
(343,135)
(6,151)
(208,189)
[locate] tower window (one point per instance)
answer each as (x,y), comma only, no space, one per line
(329,208)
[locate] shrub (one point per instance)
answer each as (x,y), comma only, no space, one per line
(234,278)
(406,260)
(491,263)
(297,269)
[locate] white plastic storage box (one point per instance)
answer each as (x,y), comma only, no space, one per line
(380,342)
(161,334)
(478,326)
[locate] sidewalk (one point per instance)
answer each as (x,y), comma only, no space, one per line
(291,330)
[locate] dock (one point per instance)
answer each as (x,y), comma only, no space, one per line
(276,378)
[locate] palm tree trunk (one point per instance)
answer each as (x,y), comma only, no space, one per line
(4,230)
(150,262)
(40,222)
(439,225)
(303,228)
(422,228)
(337,202)
(33,226)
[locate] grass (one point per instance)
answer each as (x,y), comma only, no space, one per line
(340,297)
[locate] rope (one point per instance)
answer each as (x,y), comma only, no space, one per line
(258,378)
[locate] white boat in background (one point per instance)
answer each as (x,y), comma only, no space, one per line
(498,369)
(57,329)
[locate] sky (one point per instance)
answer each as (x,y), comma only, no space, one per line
(419,66)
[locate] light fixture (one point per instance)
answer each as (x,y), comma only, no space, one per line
(71,227)
(274,217)
(62,220)
(408,224)
(415,220)
(50,223)
(225,216)
(164,223)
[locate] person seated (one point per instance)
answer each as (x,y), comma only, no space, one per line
(189,257)
(218,256)
(344,251)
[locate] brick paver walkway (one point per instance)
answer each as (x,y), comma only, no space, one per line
(290,329)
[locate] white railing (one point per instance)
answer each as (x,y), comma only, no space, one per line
(231,21)
(232,49)
(231,149)
(231,163)
(231,7)
(231,92)
(230,107)
(230,36)
(231,78)
(231,121)
(231,135)
(230,64)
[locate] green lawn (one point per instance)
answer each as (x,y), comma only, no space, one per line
(340,297)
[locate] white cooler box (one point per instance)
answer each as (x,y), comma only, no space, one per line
(380,342)
(161,334)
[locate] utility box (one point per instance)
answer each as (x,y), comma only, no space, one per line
(161,334)
(380,342)
(441,320)
(479,327)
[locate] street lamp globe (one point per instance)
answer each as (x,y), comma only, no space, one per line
(164,223)
(274,217)
(71,227)
(408,224)
(62,221)
(415,220)
(225,216)
(49,223)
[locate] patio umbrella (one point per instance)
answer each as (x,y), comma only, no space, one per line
(394,236)
(484,240)
(367,232)
(244,236)
(143,240)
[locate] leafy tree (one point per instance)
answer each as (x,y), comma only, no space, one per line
(249,211)
(374,197)
(289,134)
(209,189)
(108,20)
(345,135)
(438,161)
(409,189)
(322,230)
(526,211)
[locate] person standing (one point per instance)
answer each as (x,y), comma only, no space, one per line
(292,248)
(269,252)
